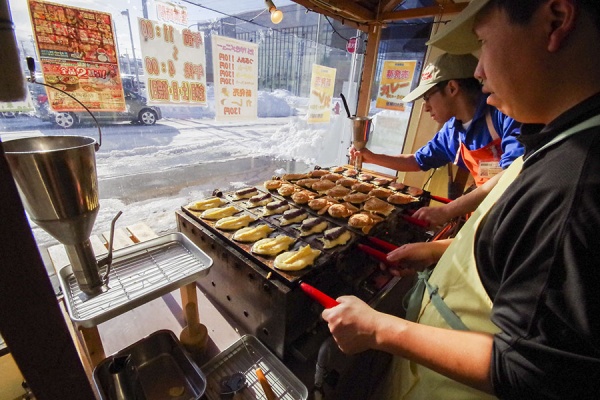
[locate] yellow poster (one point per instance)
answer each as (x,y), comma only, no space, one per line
(321,91)
(396,78)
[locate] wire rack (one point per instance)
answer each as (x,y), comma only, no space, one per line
(245,356)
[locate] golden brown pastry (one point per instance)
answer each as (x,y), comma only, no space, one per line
(400,198)
(397,186)
(252,233)
(363,187)
(379,206)
(332,177)
(337,236)
(276,207)
(351,172)
(381,193)
(272,246)
(292,216)
(303,197)
(337,170)
(233,222)
(317,173)
(273,184)
(382,181)
(346,182)
(323,185)
(342,210)
(313,225)
(414,191)
(307,182)
(356,198)
(245,193)
(286,190)
(296,260)
(219,212)
(364,220)
(294,177)
(201,205)
(337,192)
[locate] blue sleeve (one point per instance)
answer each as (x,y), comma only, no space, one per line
(440,150)
(508,129)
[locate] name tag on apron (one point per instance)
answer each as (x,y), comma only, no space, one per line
(488,169)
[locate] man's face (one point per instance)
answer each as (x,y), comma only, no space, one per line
(511,56)
(438,104)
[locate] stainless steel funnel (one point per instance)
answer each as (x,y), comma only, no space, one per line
(56,178)
(360,135)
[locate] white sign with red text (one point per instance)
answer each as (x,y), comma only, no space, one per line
(235,66)
(174,64)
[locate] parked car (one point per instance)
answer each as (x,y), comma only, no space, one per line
(137,111)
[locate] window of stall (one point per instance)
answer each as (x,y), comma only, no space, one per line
(194,96)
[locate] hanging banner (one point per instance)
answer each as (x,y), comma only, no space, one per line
(321,91)
(236,78)
(174,64)
(396,78)
(76,48)
(171,12)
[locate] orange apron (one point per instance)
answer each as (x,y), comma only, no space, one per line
(484,162)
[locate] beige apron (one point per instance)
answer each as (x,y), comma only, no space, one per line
(462,290)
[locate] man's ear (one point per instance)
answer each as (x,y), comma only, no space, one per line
(561,14)
(452,87)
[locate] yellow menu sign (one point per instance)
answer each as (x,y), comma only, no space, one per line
(321,92)
(395,84)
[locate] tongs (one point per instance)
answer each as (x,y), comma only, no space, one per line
(319,296)
(379,255)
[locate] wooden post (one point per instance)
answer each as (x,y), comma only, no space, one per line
(368,75)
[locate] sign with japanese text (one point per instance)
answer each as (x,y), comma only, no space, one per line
(77,53)
(321,91)
(174,64)
(236,78)
(396,78)
(171,12)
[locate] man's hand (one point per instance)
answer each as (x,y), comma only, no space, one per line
(436,216)
(412,257)
(367,155)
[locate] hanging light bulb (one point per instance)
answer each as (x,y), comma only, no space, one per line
(276,15)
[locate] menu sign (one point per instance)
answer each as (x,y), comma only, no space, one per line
(77,52)
(321,92)
(170,12)
(174,62)
(236,78)
(396,77)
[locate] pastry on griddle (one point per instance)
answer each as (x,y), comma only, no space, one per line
(307,182)
(336,169)
(363,187)
(414,191)
(321,204)
(294,177)
(337,236)
(381,193)
(397,185)
(332,177)
(379,206)
(313,225)
(351,172)
(382,181)
(258,200)
(245,193)
(303,197)
(292,216)
(364,220)
(286,190)
(234,222)
(276,207)
(346,182)
(272,246)
(343,210)
(323,185)
(400,198)
(296,260)
(219,212)
(337,192)
(252,233)
(356,198)
(365,177)
(205,204)
(317,173)
(273,184)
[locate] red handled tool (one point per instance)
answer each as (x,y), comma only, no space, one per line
(415,221)
(382,243)
(440,199)
(317,295)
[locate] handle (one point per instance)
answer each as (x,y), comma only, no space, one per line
(415,221)
(440,199)
(345,105)
(379,255)
(109,258)
(382,243)
(266,386)
(317,295)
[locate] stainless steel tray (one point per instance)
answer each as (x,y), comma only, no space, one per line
(139,273)
(245,355)
(163,370)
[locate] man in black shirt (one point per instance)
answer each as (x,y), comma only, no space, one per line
(519,282)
